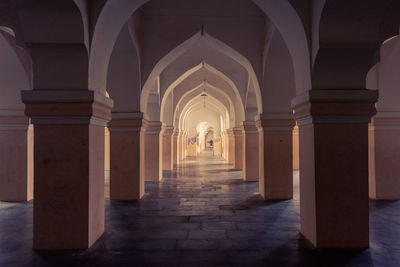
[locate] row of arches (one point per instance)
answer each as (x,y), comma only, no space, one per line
(115,64)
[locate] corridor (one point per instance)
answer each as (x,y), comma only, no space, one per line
(201,214)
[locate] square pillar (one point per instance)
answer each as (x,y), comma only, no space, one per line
(238,147)
(275,157)
(125,180)
(152,163)
(68,166)
(296,161)
(107,149)
(384,156)
(218,145)
(175,148)
(250,151)
(231,146)
(16,157)
(166,144)
(333,131)
(180,146)
(225,144)
(192,146)
(184,148)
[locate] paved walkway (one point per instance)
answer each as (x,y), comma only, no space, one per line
(202,214)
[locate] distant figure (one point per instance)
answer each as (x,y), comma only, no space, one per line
(211,143)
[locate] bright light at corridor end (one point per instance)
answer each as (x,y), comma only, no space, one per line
(203,127)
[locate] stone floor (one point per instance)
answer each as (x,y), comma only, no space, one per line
(202,214)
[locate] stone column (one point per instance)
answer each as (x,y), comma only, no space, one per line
(250,151)
(231,146)
(152,163)
(175,148)
(166,144)
(296,160)
(184,146)
(226,144)
(125,180)
(384,156)
(275,157)
(238,148)
(180,146)
(16,154)
(68,166)
(218,145)
(333,131)
(107,150)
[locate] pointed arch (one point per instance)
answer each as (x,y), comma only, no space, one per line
(179,50)
(183,100)
(116,13)
(191,106)
(196,102)
(185,75)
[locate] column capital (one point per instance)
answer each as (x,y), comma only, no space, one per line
(276,125)
(66,107)
(237,131)
(335,106)
(167,130)
(175,133)
(151,127)
(229,131)
(127,115)
(13,121)
(249,127)
(126,122)
(387,122)
(275,116)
